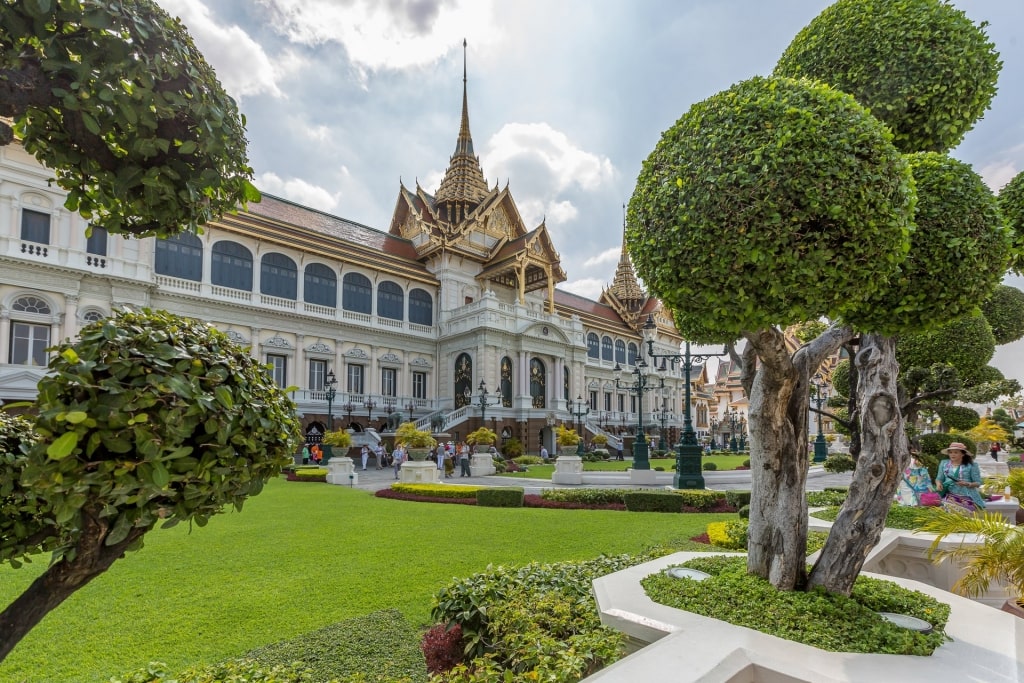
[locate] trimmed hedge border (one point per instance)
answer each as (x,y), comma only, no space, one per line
(502,497)
(653,501)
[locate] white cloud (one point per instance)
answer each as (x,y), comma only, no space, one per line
(299,191)
(610,255)
(587,287)
(539,143)
(998,174)
(561,212)
(242,66)
(396,34)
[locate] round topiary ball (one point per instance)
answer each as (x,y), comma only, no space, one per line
(1004,311)
(959,418)
(754,193)
(744,512)
(921,66)
(1011,203)
(966,344)
(958,250)
(840,379)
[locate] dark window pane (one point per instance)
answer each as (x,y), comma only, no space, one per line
(278,276)
(320,286)
(390,301)
(231,266)
(180,256)
(356,293)
(421,307)
(35,226)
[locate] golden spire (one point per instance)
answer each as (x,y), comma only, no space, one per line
(625,286)
(464,180)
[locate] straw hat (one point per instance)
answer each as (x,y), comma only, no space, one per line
(955,446)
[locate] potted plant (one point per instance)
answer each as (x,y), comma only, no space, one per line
(999,557)
(482,439)
(600,442)
(417,441)
(340,440)
(565,437)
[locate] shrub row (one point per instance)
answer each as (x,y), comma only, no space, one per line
(438,490)
(501,497)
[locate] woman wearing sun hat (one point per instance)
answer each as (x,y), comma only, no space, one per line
(960,474)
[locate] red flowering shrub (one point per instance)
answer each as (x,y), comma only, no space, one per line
(534,501)
(442,647)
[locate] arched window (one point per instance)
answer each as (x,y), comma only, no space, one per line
(231,266)
(506,382)
(593,346)
(538,380)
(631,354)
(180,256)
(356,293)
(390,300)
(279,276)
(606,348)
(421,307)
(320,286)
(92,316)
(30,331)
(620,352)
(463,380)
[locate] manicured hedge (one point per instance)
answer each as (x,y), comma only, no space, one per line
(653,501)
(502,497)
(704,500)
(438,490)
(738,498)
(593,496)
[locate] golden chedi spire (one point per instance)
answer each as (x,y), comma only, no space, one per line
(625,286)
(464,180)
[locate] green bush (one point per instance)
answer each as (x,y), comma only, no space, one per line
(653,501)
(898,517)
(737,498)
(502,497)
(746,463)
(826,498)
(512,448)
(839,462)
(528,460)
(438,490)
(829,621)
(709,466)
(588,496)
(744,512)
(931,448)
(310,472)
(382,642)
(702,499)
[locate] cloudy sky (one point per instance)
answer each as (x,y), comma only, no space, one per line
(346,98)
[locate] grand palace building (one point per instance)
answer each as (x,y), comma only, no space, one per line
(457,297)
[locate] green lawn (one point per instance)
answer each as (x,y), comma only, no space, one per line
(723,462)
(299,556)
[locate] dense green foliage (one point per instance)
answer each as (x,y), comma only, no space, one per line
(825,498)
(500,497)
(933,443)
(301,533)
(381,646)
(1011,203)
(116,100)
(841,378)
(921,66)
(839,462)
(840,201)
(825,620)
(958,418)
(652,501)
(959,239)
(1004,311)
(966,344)
(899,516)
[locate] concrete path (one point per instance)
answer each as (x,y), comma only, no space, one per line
(374,480)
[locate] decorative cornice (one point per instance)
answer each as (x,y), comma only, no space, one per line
(319,347)
(421,363)
(356,353)
(389,358)
(278,342)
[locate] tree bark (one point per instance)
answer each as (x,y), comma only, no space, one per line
(883,456)
(779,402)
(89,558)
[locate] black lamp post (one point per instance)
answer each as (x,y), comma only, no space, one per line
(714,432)
(579,410)
(410,408)
(329,385)
(662,444)
(820,446)
(349,408)
(639,386)
(734,445)
(369,405)
(483,400)
(688,453)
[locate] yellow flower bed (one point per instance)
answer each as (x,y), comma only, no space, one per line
(438,490)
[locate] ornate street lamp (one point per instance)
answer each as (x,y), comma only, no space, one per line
(483,400)
(579,410)
(410,408)
(714,432)
(349,408)
(663,418)
(734,445)
(688,453)
(638,386)
(329,384)
(369,405)
(820,446)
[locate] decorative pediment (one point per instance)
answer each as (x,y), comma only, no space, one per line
(278,342)
(237,337)
(319,347)
(421,363)
(357,353)
(390,358)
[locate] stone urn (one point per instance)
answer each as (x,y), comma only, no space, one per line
(419,454)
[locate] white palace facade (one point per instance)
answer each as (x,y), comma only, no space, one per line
(457,291)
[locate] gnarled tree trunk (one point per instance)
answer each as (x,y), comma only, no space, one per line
(883,456)
(89,558)
(778,389)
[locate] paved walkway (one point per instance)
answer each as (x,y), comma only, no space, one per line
(374,480)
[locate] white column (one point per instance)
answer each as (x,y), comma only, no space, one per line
(5,336)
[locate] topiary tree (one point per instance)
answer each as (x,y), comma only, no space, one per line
(116,100)
(149,418)
(1004,311)
(958,418)
(762,188)
(1011,203)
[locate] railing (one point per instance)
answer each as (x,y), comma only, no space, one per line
(231,293)
(277,301)
(178,283)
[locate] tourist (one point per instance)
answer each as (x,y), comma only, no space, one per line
(994,450)
(464,460)
(380,453)
(960,475)
(365,455)
(544,453)
(397,458)
(449,463)
(316,453)
(916,487)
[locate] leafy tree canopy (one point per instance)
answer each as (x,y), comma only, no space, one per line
(1011,203)
(959,241)
(1004,310)
(966,344)
(841,378)
(959,418)
(115,99)
(758,190)
(921,66)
